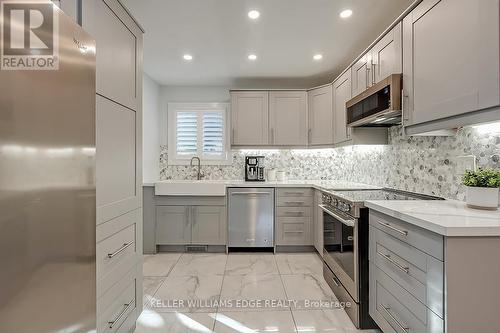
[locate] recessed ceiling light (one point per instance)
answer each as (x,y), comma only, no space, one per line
(318,57)
(252,57)
(187,57)
(346,13)
(253,14)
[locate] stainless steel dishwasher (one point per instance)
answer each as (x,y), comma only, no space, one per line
(251,217)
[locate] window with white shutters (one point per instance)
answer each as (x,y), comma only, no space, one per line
(198,129)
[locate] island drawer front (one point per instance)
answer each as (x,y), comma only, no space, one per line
(397,311)
(293,231)
(294,201)
(117,305)
(417,272)
(424,240)
(293,211)
(294,192)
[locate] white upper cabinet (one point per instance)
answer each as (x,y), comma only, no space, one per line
(118,42)
(341,94)
(450,59)
(361,78)
(288,118)
(386,55)
(249,118)
(320,116)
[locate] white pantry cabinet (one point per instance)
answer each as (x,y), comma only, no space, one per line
(450,59)
(341,94)
(288,118)
(320,116)
(118,162)
(250,118)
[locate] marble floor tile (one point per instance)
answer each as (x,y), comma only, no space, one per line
(243,264)
(299,263)
(252,288)
(191,293)
(200,264)
(308,289)
(325,321)
(150,285)
(174,322)
(254,322)
(159,264)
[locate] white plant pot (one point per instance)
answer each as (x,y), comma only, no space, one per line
(482,197)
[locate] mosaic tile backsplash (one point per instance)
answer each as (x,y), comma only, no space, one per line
(418,164)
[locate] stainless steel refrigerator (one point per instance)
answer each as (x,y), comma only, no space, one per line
(47,190)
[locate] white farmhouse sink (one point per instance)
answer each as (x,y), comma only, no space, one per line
(191,187)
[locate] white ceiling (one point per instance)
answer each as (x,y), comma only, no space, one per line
(219,35)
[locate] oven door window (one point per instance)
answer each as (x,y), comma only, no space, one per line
(339,243)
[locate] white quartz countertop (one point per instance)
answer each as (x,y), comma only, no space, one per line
(446,217)
(200,187)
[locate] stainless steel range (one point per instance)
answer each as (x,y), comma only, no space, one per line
(345,252)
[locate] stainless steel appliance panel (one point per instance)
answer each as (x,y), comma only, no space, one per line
(251,217)
(47,192)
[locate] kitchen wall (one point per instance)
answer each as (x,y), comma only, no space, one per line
(151,129)
(420,164)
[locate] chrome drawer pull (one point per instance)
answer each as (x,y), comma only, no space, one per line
(401,326)
(394,262)
(388,226)
(294,232)
(294,203)
(292,193)
(117,319)
(250,193)
(336,282)
(120,250)
(298,214)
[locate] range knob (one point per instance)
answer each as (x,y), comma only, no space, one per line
(335,202)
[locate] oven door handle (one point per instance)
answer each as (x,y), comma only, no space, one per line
(349,223)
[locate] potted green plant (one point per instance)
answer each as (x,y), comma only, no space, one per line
(482,188)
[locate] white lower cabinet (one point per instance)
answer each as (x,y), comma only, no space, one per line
(294,225)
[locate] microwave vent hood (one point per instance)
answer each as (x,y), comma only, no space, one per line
(378,106)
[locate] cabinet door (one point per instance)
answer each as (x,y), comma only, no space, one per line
(173,225)
(249,117)
(209,225)
(288,118)
(116,160)
(341,94)
(450,59)
(320,116)
(387,55)
(117,41)
(360,72)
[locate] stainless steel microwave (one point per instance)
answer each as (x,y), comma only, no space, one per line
(378,106)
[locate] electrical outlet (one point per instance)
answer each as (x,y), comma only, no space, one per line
(465,163)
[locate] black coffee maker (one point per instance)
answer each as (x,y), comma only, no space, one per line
(254,168)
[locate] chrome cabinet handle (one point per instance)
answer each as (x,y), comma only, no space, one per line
(293,214)
(120,250)
(373,72)
(121,314)
(394,262)
(292,193)
(389,313)
(272,135)
(335,281)
(295,203)
(250,193)
(404,111)
(294,232)
(232,135)
(349,223)
(309,134)
(193,215)
(388,226)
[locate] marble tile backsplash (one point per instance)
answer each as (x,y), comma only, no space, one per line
(418,164)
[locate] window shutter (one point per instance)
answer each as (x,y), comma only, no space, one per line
(187,133)
(213,133)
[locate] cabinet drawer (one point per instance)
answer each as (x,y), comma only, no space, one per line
(294,192)
(293,211)
(117,305)
(417,272)
(294,201)
(422,239)
(293,231)
(395,310)
(116,239)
